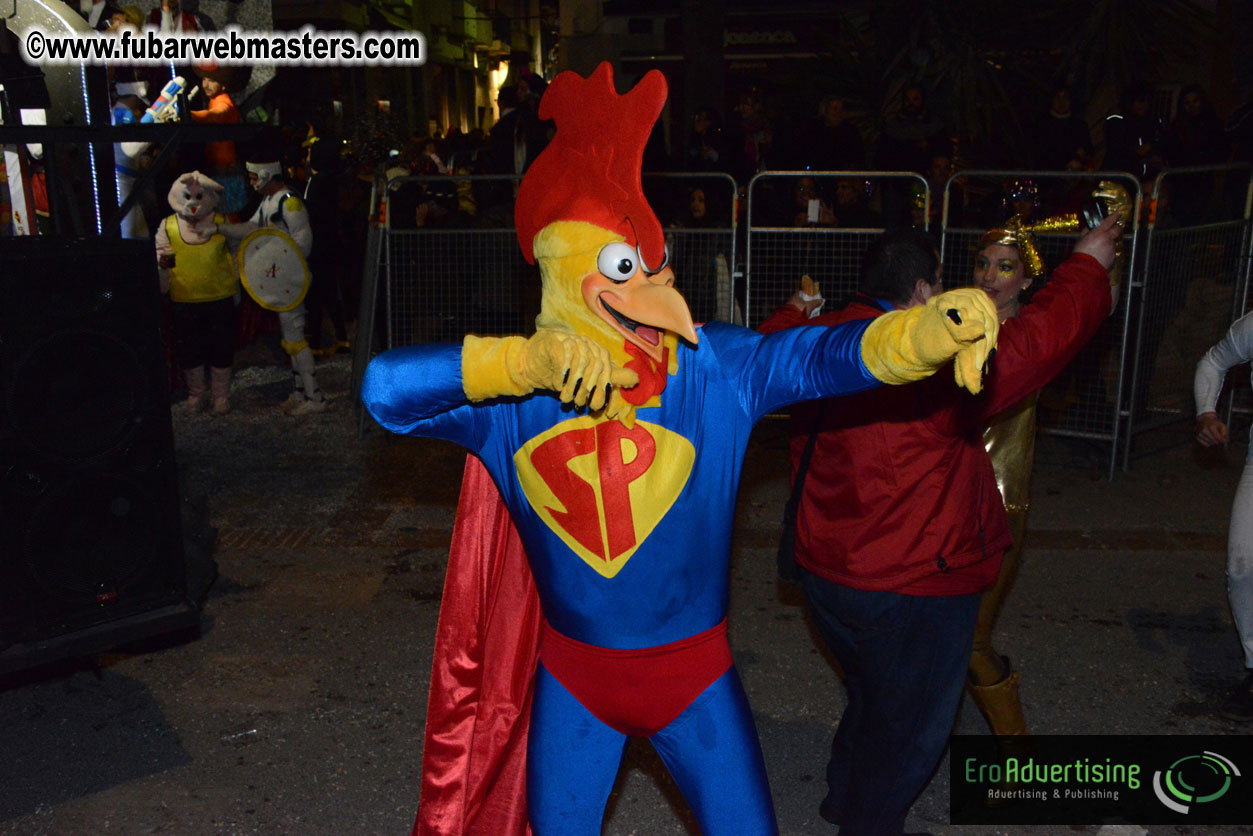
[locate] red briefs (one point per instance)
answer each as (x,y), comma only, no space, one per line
(637,692)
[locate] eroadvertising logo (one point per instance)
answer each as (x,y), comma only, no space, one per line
(1209,772)
(1099,779)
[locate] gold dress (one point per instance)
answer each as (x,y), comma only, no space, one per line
(1010,442)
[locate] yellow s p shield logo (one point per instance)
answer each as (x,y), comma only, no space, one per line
(603,488)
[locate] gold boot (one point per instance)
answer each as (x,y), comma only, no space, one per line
(1001,707)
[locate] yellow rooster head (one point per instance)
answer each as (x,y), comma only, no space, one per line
(582,215)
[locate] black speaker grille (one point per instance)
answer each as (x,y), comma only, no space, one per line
(91,538)
(77,394)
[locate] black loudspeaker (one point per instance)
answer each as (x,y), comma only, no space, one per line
(91,546)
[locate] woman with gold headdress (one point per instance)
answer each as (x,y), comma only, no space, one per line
(1006,266)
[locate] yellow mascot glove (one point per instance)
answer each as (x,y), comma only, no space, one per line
(577,368)
(960,325)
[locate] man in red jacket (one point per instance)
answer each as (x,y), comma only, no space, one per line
(900,526)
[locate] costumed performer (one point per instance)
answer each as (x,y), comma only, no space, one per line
(129,158)
(280,208)
(1007,265)
(899,525)
(1232,350)
(196,268)
(615,434)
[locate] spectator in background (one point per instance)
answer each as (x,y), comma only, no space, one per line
(404,196)
(852,205)
(1062,139)
(220,155)
(1195,138)
(131,18)
(513,144)
(706,149)
(828,142)
(808,206)
(700,213)
(170,16)
(1134,135)
(325,298)
(748,137)
(1020,196)
(99,14)
(912,136)
(939,169)
(1063,142)
(518,137)
(908,142)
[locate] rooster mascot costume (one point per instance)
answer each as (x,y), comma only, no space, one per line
(592,604)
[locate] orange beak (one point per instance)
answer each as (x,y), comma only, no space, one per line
(641,308)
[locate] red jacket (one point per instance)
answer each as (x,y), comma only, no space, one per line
(900,493)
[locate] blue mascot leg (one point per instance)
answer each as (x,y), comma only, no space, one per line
(572,760)
(713,753)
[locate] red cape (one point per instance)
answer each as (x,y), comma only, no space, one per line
(486,647)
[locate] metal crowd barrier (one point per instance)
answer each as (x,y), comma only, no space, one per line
(703,251)
(1194,270)
(444,281)
(1186,269)
(779,250)
(367,310)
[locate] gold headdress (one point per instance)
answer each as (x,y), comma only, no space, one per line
(1020,235)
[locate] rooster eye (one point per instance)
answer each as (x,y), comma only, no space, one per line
(617,261)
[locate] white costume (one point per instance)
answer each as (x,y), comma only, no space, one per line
(126,161)
(1232,350)
(287,212)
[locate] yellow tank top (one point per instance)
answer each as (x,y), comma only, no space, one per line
(201,272)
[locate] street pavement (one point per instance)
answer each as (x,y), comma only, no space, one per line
(299,707)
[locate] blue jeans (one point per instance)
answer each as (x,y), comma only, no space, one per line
(904,659)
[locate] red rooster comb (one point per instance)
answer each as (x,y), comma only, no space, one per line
(590,171)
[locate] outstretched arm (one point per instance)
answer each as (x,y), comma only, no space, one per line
(959,325)
(237,232)
(793,364)
(417,390)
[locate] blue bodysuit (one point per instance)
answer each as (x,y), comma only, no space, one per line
(628,535)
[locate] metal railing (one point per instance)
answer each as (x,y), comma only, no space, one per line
(1193,275)
(367,311)
(1184,279)
(779,250)
(441,281)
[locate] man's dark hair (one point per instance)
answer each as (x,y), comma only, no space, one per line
(507,97)
(894,263)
